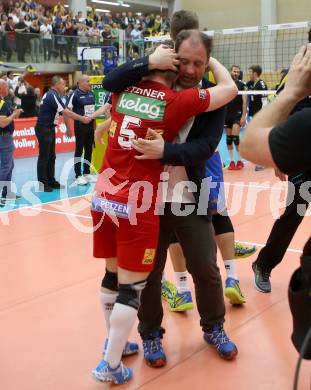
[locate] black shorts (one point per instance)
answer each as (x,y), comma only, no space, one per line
(232,119)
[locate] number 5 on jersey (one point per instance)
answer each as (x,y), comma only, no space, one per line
(127,135)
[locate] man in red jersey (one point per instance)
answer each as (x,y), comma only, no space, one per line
(125,223)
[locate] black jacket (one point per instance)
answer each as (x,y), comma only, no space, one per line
(204,135)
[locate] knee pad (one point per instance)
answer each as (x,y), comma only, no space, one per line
(236,139)
(110,281)
(222,224)
(129,294)
(229,139)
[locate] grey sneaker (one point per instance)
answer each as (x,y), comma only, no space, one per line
(261,279)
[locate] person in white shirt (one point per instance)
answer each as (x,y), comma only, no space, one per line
(46,32)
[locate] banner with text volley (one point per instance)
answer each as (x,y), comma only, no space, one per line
(26,143)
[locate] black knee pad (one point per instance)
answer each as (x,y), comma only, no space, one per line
(110,281)
(236,139)
(229,139)
(129,294)
(222,224)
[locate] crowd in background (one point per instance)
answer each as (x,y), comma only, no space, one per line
(29,28)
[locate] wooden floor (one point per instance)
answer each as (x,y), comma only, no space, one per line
(52,327)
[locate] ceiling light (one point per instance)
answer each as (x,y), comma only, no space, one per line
(110,3)
(102,10)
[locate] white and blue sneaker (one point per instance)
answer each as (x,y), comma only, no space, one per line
(104,373)
(129,349)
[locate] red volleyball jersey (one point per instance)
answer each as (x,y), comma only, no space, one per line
(146,105)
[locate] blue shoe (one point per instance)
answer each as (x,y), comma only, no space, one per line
(153,350)
(104,373)
(233,292)
(259,168)
(218,339)
(177,301)
(242,251)
(128,350)
(182,302)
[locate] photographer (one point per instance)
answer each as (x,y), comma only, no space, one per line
(277,140)
(28,101)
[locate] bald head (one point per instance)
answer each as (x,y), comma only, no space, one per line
(4,89)
(84,83)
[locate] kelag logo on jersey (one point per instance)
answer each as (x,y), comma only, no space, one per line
(141,107)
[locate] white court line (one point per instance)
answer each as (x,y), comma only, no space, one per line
(254,186)
(62,213)
(44,203)
(236,184)
(88,217)
(262,245)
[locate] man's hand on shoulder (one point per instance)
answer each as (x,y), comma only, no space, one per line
(163,58)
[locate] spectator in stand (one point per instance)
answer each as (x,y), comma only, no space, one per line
(94,35)
(34,29)
(10,38)
(3,22)
(27,20)
(46,33)
(128,31)
(83,35)
(124,21)
(115,35)
(62,43)
(150,24)
(14,14)
(80,18)
(107,37)
(117,19)
(70,32)
(59,8)
(166,25)
(21,39)
(89,19)
(157,24)
(136,33)
(130,18)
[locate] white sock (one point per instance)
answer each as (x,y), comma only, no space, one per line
(122,321)
(231,270)
(181,279)
(107,301)
(237,152)
(231,154)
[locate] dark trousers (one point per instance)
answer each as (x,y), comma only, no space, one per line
(21,46)
(284,228)
(6,163)
(63,49)
(47,49)
(84,142)
(47,157)
(196,237)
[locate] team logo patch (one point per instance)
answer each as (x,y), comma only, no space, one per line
(110,207)
(202,94)
(112,129)
(140,106)
(149,256)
